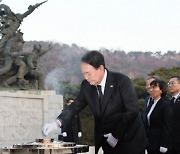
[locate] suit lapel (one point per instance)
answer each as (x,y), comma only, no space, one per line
(109,87)
(159,103)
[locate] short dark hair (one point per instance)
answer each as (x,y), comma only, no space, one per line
(93,58)
(162,86)
(153,77)
(175,76)
(69,99)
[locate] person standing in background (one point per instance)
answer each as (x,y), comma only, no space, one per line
(72,132)
(174,90)
(159,118)
(148,98)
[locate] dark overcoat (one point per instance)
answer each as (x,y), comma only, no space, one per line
(159,130)
(72,129)
(176,124)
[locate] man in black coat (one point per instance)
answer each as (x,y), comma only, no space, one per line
(118,125)
(174,89)
(72,131)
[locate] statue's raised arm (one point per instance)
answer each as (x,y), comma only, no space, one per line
(42,52)
(31,8)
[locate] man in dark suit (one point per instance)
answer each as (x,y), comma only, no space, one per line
(72,132)
(118,125)
(174,89)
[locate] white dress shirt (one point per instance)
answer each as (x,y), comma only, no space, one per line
(149,99)
(150,111)
(103,82)
(176,96)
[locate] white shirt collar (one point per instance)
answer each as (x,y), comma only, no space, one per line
(176,96)
(155,101)
(103,82)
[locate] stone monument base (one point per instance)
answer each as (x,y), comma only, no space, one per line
(23,114)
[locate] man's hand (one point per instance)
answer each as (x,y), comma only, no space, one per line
(64,134)
(79,134)
(112,141)
(49,127)
(163,149)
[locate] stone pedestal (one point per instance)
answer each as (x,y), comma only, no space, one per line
(23,114)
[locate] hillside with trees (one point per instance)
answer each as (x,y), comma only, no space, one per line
(62,63)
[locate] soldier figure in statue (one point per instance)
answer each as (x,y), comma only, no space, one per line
(12,51)
(32,60)
(28,68)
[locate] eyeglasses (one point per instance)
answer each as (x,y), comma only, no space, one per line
(172,83)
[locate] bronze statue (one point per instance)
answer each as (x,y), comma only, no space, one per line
(32,60)
(11,21)
(16,63)
(27,68)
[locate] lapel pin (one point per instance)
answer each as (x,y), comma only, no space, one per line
(111,86)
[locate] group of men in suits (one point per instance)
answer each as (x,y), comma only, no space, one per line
(169,123)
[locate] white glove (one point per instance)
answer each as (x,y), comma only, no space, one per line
(64,134)
(49,127)
(79,134)
(163,149)
(111,140)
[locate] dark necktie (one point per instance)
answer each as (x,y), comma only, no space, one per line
(100,96)
(172,100)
